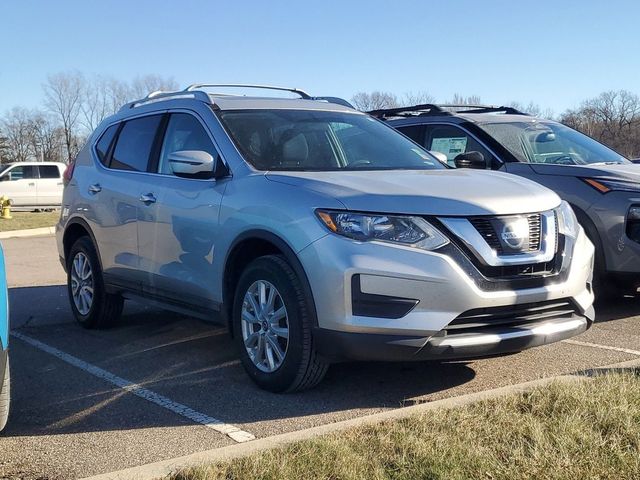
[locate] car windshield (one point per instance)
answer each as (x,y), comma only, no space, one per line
(311,140)
(550,143)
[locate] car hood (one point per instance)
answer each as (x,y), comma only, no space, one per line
(626,171)
(426,192)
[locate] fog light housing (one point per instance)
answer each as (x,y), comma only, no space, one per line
(633,223)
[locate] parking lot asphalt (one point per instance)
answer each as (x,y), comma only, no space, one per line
(160,385)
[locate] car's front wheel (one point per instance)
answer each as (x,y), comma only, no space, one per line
(5,396)
(272,323)
(92,306)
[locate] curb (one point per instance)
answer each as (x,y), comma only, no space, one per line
(166,467)
(32,232)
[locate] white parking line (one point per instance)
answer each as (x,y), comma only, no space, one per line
(218,425)
(603,347)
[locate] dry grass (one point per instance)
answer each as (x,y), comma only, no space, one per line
(586,430)
(26,220)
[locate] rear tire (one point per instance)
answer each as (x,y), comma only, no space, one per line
(291,364)
(5,396)
(90,303)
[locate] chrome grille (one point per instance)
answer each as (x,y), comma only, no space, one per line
(535,232)
(486,229)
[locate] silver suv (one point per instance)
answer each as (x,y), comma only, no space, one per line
(317,233)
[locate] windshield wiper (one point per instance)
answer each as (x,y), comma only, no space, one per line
(606,163)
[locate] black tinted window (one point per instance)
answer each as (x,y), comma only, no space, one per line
(102,147)
(23,172)
(414,132)
(49,171)
(135,143)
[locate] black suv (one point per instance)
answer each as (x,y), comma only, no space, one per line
(601,185)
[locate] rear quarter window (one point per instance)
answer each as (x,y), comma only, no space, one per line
(49,171)
(103,145)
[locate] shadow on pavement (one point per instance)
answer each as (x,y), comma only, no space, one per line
(187,360)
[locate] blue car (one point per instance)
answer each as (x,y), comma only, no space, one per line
(4,346)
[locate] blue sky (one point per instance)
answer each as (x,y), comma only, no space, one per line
(552,53)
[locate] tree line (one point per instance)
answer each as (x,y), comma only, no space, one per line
(74,104)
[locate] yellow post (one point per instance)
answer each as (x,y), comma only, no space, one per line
(5,203)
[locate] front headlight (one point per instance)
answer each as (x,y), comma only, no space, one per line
(606,185)
(567,222)
(402,230)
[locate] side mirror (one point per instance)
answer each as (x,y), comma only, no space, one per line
(470,160)
(5,178)
(191,163)
(439,155)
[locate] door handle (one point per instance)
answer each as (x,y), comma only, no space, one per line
(148,198)
(95,188)
(32,184)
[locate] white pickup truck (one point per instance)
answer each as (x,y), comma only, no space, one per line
(32,184)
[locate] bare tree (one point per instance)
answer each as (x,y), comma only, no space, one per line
(417,98)
(16,129)
(468,100)
(47,137)
(374,101)
(63,97)
(96,103)
(612,117)
(533,109)
(4,148)
(141,86)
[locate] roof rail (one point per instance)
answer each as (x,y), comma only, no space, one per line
(198,86)
(484,109)
(160,96)
(194,91)
(336,100)
(422,109)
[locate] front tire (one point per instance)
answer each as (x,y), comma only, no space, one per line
(92,306)
(272,324)
(5,396)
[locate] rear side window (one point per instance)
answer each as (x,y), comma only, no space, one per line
(48,171)
(102,147)
(135,143)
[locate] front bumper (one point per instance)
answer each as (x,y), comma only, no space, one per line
(337,346)
(443,290)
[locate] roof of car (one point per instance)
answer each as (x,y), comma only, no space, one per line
(233,102)
(436,113)
(220,99)
(498,117)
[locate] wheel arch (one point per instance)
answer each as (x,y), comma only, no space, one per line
(591,231)
(247,247)
(76,228)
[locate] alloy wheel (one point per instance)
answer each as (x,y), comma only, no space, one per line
(82,283)
(265,326)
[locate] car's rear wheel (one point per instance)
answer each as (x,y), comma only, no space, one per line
(272,323)
(92,306)
(5,396)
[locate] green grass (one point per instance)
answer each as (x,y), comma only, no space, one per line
(26,220)
(586,430)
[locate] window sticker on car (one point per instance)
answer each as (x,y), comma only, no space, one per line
(450,146)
